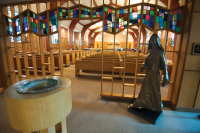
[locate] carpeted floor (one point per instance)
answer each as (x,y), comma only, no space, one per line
(91,114)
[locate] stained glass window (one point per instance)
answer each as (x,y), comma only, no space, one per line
(86,40)
(63,13)
(97,12)
(34,22)
(25,25)
(74,13)
(9,28)
(85,12)
(175,20)
(53,23)
(161,19)
(80,42)
(122,18)
(18,39)
(43,24)
(9,11)
(109,23)
(135,15)
(17,26)
(148,16)
(54,38)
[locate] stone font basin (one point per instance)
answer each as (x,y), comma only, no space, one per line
(39,86)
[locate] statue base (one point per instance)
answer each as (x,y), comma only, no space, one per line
(149,115)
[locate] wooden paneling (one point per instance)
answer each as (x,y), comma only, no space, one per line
(197,102)
(188,90)
(193,61)
(196,5)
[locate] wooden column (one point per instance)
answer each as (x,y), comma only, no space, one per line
(60,48)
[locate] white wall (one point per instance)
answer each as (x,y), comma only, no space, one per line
(110,38)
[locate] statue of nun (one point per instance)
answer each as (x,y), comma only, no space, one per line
(150,96)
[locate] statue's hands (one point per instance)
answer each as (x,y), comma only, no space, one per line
(143,67)
(165,82)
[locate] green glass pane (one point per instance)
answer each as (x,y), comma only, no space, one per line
(130,9)
(49,18)
(71,10)
(34,25)
(47,30)
(179,17)
(178,28)
(27,14)
(63,10)
(145,12)
(33,15)
(139,12)
(152,13)
(56,22)
(134,17)
(93,15)
(31,23)
(116,29)
(118,12)
(60,14)
(174,17)
(143,21)
(125,22)
(165,24)
(82,15)
(113,11)
(157,19)
(158,10)
(88,10)
(106,9)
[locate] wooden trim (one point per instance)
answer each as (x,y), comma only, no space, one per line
(97,7)
(132,5)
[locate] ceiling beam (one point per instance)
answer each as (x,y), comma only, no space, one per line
(85,29)
(81,23)
(126,3)
(95,3)
(112,4)
(73,2)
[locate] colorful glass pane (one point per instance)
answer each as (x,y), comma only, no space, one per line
(161,19)
(97,12)
(25,23)
(17,26)
(53,22)
(175,20)
(85,12)
(122,19)
(34,22)
(135,15)
(9,28)
(74,12)
(148,16)
(63,13)
(109,24)
(43,24)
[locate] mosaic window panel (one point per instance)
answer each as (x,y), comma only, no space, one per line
(148,16)
(97,12)
(53,21)
(85,12)
(43,24)
(161,19)
(17,26)
(63,13)
(25,23)
(135,15)
(9,28)
(122,19)
(34,22)
(175,20)
(109,23)
(74,13)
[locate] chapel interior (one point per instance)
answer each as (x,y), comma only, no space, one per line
(100,46)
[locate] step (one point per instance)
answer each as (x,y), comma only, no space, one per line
(131,55)
(141,75)
(46,64)
(118,67)
(107,78)
(127,84)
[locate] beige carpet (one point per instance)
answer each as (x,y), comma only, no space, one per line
(91,114)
